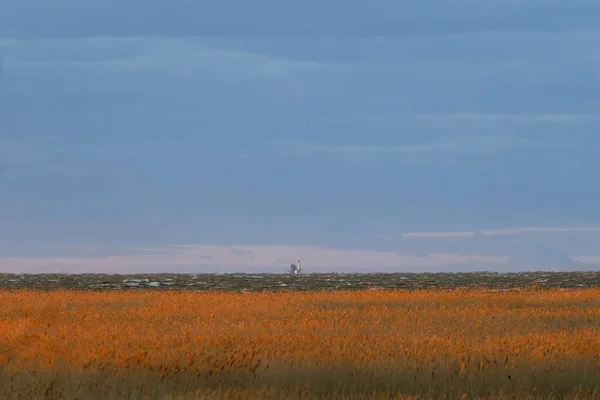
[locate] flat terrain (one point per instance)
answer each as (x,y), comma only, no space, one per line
(438,344)
(277,282)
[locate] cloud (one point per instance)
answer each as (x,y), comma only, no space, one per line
(291,18)
(499,232)
(437,235)
(392,65)
(185,58)
(589,260)
(452,147)
(210,258)
(532,230)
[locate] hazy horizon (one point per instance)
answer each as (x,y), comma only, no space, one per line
(199,136)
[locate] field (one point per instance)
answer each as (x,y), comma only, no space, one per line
(143,344)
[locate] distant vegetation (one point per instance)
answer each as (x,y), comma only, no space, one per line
(362,344)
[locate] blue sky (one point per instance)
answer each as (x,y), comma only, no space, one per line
(304,127)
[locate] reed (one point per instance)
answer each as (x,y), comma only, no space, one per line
(360,344)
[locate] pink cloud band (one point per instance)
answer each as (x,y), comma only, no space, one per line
(210,258)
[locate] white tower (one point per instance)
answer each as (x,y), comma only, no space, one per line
(295,268)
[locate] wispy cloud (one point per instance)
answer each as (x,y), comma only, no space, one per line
(456,143)
(533,230)
(498,232)
(178,57)
(294,18)
(437,235)
(450,145)
(588,260)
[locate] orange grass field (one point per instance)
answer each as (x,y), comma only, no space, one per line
(368,344)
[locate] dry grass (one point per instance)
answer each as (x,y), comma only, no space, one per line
(370,344)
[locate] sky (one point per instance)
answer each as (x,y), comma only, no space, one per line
(221,136)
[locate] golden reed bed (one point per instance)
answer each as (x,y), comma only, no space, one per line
(369,344)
